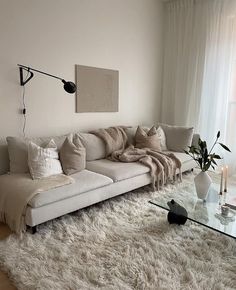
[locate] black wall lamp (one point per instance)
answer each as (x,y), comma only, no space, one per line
(69,87)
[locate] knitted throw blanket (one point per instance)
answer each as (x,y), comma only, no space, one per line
(163,166)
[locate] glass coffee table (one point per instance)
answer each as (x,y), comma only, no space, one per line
(206,213)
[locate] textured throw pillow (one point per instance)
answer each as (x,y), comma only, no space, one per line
(43,162)
(18,150)
(162,137)
(72,156)
(148,139)
(177,138)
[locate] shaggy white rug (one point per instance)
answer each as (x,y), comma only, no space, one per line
(123,243)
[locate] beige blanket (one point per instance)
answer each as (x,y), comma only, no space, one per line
(115,138)
(16,190)
(163,166)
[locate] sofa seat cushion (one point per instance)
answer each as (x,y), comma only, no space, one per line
(183,157)
(117,170)
(85,180)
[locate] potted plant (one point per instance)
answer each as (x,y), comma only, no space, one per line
(206,159)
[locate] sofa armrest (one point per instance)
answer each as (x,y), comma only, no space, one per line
(195,140)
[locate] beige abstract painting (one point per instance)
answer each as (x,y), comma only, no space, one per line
(97,89)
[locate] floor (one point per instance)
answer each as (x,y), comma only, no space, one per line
(5,283)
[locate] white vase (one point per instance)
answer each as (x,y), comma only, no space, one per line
(202,183)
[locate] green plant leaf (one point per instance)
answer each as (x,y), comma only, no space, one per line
(206,166)
(225,147)
(214,161)
(200,162)
(191,149)
(217,156)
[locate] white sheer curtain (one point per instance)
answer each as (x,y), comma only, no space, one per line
(199,54)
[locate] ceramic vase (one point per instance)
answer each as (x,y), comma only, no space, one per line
(202,184)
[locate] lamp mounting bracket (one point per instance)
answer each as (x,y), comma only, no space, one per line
(22,81)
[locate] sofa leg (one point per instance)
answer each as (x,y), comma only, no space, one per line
(33,230)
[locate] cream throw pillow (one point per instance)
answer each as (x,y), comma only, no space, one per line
(43,162)
(148,139)
(72,156)
(162,136)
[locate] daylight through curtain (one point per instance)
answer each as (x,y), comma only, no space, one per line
(198,65)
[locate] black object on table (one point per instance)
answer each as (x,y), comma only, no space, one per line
(177,214)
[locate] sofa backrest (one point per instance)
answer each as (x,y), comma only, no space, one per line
(15,154)
(95,147)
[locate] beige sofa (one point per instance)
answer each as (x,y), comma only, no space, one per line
(102,179)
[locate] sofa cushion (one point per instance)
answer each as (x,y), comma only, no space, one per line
(85,180)
(18,150)
(4,156)
(183,157)
(177,138)
(95,146)
(117,170)
(187,162)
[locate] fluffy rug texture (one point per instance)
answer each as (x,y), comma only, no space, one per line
(123,243)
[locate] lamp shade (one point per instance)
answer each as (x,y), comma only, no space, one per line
(69,87)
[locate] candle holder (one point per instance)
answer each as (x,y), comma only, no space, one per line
(220,196)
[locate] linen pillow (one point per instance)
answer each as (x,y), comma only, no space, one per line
(162,137)
(18,150)
(95,147)
(178,138)
(43,162)
(148,139)
(72,156)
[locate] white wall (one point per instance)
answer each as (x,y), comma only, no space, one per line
(53,36)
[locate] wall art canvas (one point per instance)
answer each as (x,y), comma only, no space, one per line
(97,89)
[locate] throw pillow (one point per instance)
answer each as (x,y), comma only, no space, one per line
(43,162)
(148,139)
(72,156)
(162,137)
(178,138)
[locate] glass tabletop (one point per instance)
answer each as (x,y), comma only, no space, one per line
(207,213)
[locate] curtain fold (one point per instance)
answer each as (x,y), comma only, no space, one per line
(199,54)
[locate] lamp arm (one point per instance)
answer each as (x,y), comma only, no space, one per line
(69,87)
(32,69)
